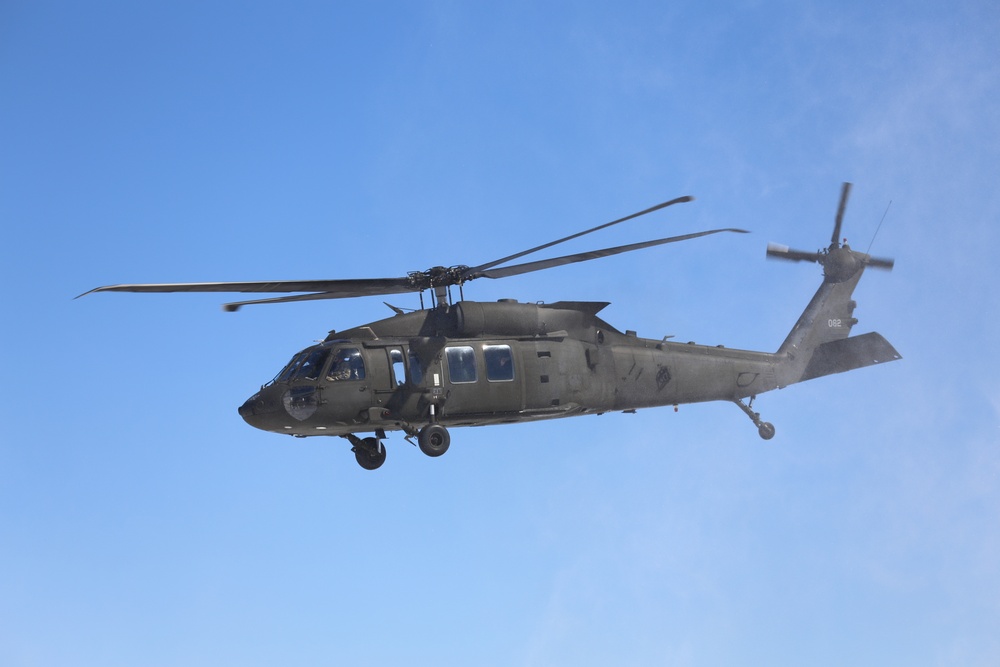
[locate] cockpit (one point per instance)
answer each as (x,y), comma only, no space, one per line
(339,362)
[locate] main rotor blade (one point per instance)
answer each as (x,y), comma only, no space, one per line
(844,193)
(348,288)
(518,269)
(477,270)
(236,305)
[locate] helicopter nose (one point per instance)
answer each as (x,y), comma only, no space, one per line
(253,410)
(246,410)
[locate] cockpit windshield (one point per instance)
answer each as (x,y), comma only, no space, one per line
(306,365)
(346,363)
(287,371)
(312,365)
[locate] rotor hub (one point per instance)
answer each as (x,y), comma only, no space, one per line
(840,264)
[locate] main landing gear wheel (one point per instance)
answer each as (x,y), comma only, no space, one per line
(434,440)
(370,453)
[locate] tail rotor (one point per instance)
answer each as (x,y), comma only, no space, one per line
(839,262)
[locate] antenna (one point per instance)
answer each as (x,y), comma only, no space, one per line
(868,252)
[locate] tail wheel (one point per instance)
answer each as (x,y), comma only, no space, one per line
(434,440)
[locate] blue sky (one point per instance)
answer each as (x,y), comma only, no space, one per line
(142,522)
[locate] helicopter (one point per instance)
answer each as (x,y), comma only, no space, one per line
(467,363)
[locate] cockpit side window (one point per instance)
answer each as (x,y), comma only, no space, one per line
(347,365)
(312,364)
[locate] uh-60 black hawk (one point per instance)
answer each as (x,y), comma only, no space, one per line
(468,363)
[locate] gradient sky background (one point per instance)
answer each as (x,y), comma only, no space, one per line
(143,523)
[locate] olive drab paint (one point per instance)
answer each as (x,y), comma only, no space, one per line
(467,363)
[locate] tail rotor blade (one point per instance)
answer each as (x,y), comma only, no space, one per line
(844,194)
(881,263)
(778,251)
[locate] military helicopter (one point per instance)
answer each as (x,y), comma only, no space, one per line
(468,363)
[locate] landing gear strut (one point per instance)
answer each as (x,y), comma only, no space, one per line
(765,429)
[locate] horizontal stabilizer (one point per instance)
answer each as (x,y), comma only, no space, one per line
(847,354)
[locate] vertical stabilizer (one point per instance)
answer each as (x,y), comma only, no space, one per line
(828,318)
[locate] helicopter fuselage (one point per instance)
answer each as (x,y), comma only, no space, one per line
(474,364)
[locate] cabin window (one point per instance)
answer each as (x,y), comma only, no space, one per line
(499,363)
(311,365)
(416,370)
(347,365)
(461,364)
(398,366)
